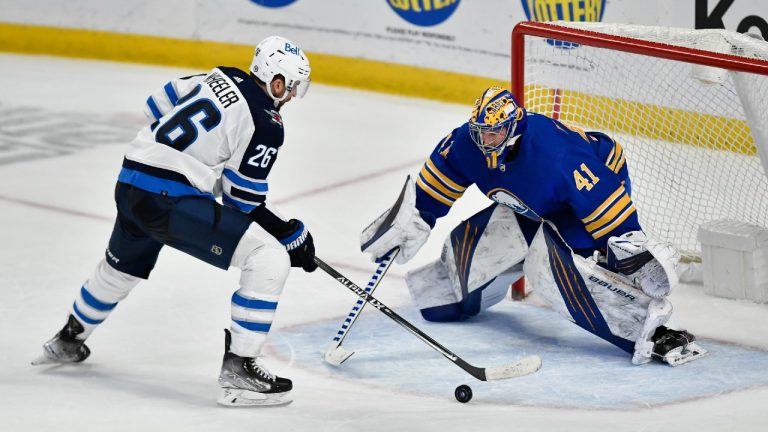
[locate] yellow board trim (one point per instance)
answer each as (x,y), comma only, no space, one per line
(641,119)
(326,69)
(650,121)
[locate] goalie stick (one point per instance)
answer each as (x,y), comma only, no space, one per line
(522,367)
(335,354)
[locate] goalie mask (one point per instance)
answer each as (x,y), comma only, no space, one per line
(276,55)
(496,119)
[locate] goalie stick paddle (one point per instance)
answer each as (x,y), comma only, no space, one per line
(336,354)
(520,368)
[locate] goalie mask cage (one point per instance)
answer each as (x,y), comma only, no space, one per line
(689,108)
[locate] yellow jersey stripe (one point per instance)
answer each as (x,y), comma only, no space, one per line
(610,214)
(620,164)
(619,153)
(432,193)
(443,178)
(435,183)
(604,205)
(597,234)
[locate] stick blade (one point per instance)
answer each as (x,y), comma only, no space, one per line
(336,355)
(525,366)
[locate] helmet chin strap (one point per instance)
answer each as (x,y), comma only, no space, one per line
(277,100)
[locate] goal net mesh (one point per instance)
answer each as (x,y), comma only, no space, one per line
(690,133)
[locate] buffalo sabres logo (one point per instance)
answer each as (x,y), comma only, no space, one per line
(504,197)
(275,117)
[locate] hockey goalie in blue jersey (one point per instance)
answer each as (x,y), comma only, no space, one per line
(562,215)
(210,136)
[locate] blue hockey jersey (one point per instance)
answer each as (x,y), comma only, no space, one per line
(577,180)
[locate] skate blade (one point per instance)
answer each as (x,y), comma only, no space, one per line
(246,398)
(43,359)
(685,354)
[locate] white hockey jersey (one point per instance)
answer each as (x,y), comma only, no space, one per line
(213,135)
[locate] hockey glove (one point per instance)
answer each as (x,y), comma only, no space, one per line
(400,226)
(649,264)
(298,242)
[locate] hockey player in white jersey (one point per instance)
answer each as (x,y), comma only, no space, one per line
(215,135)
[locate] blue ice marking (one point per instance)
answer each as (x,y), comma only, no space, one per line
(579,369)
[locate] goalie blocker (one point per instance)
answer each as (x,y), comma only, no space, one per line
(401,226)
(619,297)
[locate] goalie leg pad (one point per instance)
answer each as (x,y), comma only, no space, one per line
(602,302)
(480,259)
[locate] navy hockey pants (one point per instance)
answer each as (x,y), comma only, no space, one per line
(146,221)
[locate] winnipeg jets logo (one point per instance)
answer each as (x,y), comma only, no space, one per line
(508,199)
(275,117)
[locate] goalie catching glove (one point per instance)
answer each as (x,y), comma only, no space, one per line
(649,264)
(400,226)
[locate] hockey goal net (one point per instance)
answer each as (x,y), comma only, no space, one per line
(689,107)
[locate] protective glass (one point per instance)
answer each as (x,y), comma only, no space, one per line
(298,88)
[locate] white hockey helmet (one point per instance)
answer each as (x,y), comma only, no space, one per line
(276,55)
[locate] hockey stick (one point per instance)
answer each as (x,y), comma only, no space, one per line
(335,354)
(522,367)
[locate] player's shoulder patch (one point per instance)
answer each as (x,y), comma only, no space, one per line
(275,117)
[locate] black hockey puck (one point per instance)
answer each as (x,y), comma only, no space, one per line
(463,393)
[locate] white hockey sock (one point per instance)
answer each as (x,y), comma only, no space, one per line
(99,295)
(251,320)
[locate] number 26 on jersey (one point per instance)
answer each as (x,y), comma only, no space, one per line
(262,157)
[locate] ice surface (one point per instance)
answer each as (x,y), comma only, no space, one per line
(63,127)
(579,370)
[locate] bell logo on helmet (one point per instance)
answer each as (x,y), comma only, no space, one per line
(291,49)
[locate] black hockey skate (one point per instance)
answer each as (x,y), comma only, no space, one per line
(246,382)
(65,347)
(676,347)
